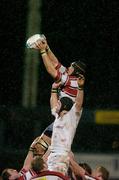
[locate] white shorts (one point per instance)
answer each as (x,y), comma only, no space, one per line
(58,162)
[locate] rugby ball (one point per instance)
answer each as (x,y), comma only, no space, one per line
(30,43)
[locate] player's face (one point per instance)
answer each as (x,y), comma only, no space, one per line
(98,175)
(13,174)
(70,70)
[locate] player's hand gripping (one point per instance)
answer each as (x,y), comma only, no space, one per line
(42,45)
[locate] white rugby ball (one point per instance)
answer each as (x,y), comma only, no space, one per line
(30,43)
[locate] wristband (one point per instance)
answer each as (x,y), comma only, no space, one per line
(80,88)
(54,90)
(43,52)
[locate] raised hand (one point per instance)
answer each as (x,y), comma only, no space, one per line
(41,45)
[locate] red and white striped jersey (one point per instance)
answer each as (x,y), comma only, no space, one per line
(69,83)
(27,175)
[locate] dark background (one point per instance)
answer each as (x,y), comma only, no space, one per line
(86,29)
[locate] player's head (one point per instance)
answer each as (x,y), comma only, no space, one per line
(65,103)
(101,173)
(76,68)
(9,174)
(38,164)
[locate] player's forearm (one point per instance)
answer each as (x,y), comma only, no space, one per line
(78,170)
(28,160)
(53,99)
(52,57)
(48,64)
(80,94)
(79,100)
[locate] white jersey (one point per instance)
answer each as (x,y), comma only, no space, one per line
(64,129)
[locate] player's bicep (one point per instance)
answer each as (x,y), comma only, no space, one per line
(61,75)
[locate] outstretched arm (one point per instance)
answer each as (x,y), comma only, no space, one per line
(49,59)
(52,57)
(46,59)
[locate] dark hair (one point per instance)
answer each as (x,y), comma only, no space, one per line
(86,167)
(79,68)
(66,103)
(5,174)
(37,164)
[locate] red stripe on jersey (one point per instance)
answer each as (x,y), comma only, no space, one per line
(70,92)
(27,174)
(58,66)
(69,88)
(58,77)
(33,173)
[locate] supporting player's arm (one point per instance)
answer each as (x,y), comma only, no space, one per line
(54,95)
(28,160)
(80,94)
(77,170)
